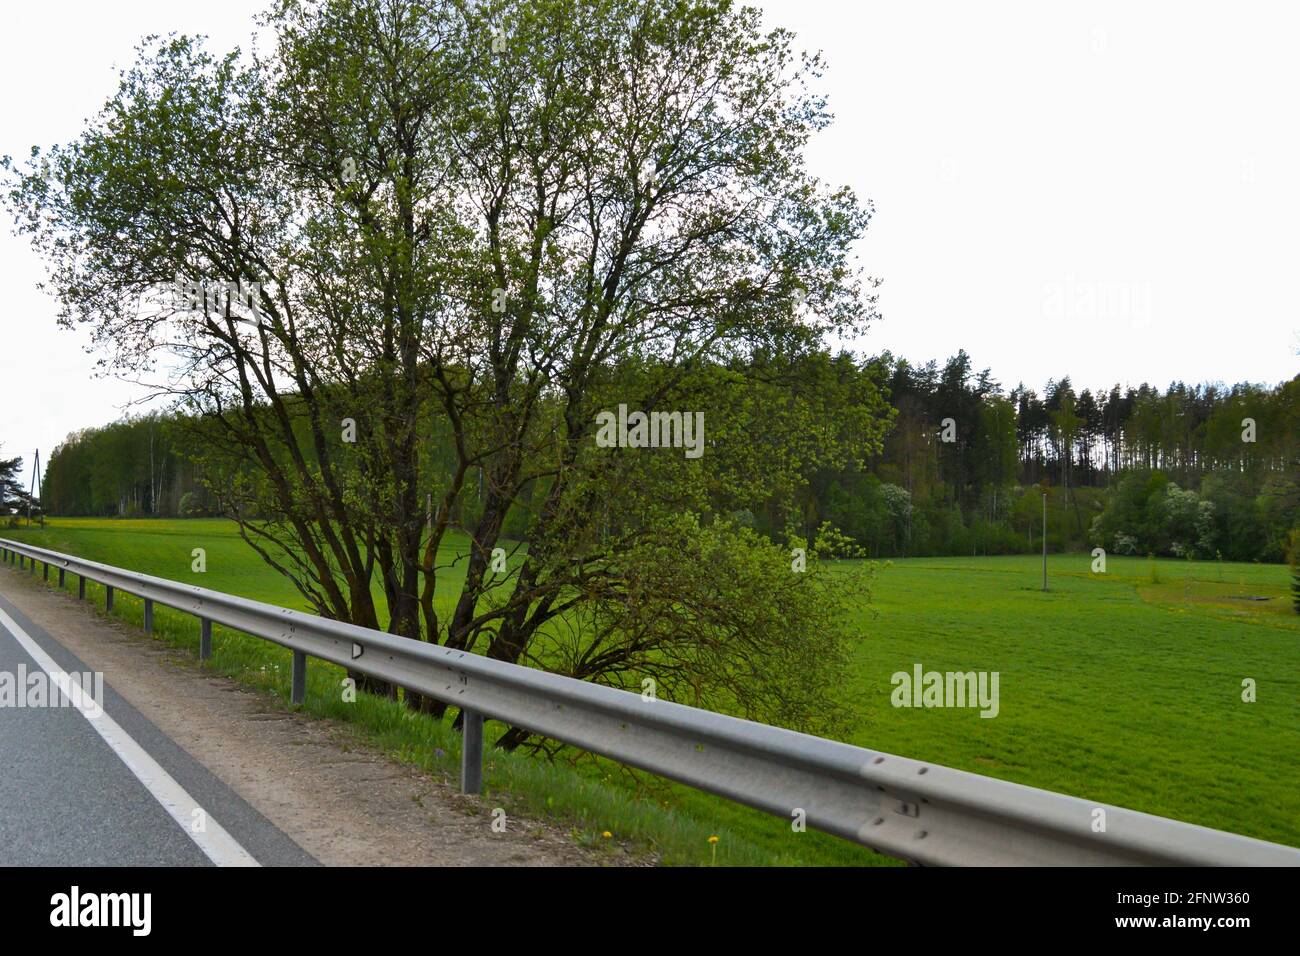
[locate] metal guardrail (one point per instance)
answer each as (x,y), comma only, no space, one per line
(909,809)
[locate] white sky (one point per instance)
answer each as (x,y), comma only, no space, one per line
(1104,190)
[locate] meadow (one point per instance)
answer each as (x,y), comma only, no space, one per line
(1124,687)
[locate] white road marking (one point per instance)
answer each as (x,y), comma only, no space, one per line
(217,844)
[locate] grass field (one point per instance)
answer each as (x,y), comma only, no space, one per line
(1124,688)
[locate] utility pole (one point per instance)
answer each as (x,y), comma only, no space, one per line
(1044,541)
(31,492)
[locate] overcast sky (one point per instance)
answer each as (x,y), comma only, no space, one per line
(1101,190)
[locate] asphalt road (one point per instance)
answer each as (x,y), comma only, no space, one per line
(110,790)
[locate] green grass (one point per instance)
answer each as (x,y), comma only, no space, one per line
(1112,688)
(1123,688)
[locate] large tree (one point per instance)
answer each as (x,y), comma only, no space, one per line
(421,247)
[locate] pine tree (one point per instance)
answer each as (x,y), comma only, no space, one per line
(12,496)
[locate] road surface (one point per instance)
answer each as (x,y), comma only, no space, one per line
(109,789)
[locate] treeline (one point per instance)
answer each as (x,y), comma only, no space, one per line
(160,465)
(1193,470)
(139,467)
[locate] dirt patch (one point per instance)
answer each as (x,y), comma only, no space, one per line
(342,802)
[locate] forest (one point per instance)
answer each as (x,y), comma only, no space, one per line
(1200,471)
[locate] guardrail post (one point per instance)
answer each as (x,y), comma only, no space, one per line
(298,690)
(81,587)
(62,573)
(471,752)
(205,639)
(22,562)
(148,616)
(45,573)
(108,598)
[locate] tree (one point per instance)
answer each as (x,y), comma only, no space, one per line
(488,222)
(13,497)
(1295,569)
(995,451)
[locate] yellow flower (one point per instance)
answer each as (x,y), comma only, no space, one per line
(607,834)
(713,839)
